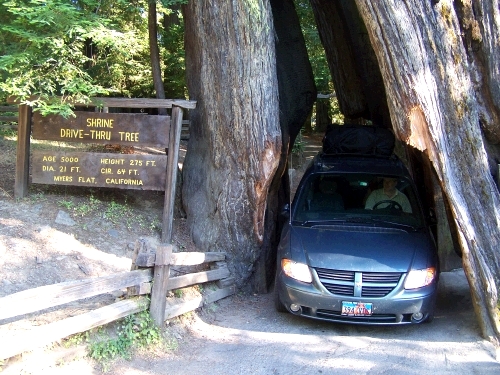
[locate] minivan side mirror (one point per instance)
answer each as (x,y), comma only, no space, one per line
(285,211)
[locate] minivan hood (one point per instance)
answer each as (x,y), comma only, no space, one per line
(361,248)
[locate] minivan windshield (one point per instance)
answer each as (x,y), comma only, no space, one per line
(357,198)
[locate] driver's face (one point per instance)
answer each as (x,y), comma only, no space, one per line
(390,184)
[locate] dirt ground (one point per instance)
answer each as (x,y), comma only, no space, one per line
(59,233)
(63,233)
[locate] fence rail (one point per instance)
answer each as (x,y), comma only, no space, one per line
(8,109)
(138,281)
(48,296)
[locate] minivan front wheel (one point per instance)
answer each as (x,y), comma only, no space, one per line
(429,319)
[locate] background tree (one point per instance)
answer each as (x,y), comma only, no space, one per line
(352,62)
(42,49)
(326,109)
(154,50)
(154,53)
(172,41)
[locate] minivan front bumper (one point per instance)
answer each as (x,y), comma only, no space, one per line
(398,307)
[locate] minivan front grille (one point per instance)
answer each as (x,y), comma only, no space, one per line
(381,277)
(335,275)
(370,284)
(343,290)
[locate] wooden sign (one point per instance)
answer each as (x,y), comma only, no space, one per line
(104,128)
(130,171)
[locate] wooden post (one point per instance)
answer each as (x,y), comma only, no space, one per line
(171,179)
(23,151)
(160,284)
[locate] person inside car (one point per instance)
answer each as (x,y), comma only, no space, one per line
(387,194)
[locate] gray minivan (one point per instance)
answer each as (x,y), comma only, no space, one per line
(356,247)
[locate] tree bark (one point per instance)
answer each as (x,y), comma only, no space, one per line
(434,108)
(480,26)
(297,93)
(235,140)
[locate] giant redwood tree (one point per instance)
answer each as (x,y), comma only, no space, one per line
(428,69)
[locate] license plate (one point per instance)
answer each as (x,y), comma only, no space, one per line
(356,308)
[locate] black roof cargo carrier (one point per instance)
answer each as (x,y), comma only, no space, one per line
(358,140)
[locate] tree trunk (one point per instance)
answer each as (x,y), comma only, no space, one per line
(297,93)
(352,61)
(434,107)
(155,54)
(235,140)
(480,26)
(322,116)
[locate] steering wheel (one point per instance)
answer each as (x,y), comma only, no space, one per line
(391,205)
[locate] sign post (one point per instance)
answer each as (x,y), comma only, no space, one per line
(171,179)
(23,152)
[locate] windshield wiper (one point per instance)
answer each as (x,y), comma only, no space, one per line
(321,222)
(414,228)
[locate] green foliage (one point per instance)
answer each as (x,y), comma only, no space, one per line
(154,225)
(8,132)
(115,211)
(36,197)
(82,208)
(67,204)
(42,51)
(86,208)
(80,49)
(77,339)
(299,145)
(335,113)
(136,331)
(178,293)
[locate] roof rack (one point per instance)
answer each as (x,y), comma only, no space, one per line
(364,140)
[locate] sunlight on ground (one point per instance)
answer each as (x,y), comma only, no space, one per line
(66,244)
(62,243)
(346,351)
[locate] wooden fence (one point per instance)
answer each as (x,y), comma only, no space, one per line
(6,121)
(139,281)
(13,109)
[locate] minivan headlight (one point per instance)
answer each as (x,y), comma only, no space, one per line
(297,271)
(420,278)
